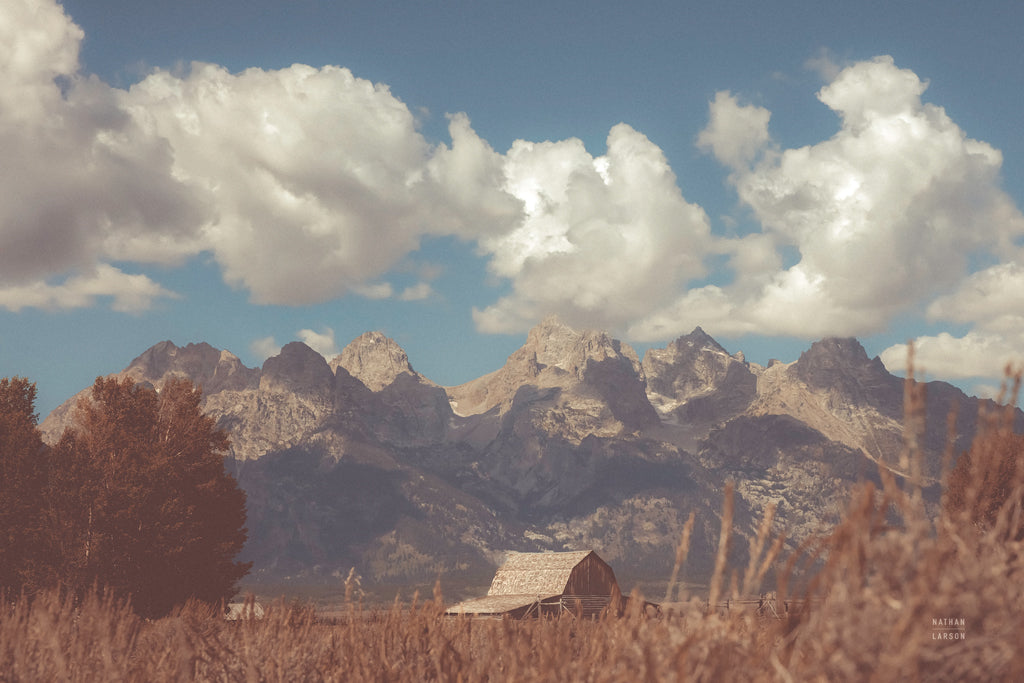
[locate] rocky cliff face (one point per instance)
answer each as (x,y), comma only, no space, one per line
(694,381)
(408,408)
(375,360)
(595,384)
(212,369)
(360,461)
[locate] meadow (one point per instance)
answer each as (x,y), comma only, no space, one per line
(895,592)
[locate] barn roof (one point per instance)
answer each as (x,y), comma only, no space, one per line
(495,604)
(536,574)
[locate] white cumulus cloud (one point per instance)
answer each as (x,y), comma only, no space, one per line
(417,292)
(127,293)
(83,184)
(735,134)
(991,301)
(306,184)
(984,298)
(264,347)
(882,216)
(303,183)
(320,180)
(321,342)
(603,239)
(975,354)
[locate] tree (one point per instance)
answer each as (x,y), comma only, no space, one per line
(22,484)
(141,501)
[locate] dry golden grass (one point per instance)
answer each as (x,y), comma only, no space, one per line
(881,580)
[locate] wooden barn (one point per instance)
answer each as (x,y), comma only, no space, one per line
(535,584)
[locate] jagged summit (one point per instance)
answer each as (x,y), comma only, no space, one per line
(834,352)
(696,348)
(165,357)
(685,350)
(700,339)
(551,324)
(374,359)
(299,368)
(556,356)
(554,344)
(694,380)
(839,359)
(211,368)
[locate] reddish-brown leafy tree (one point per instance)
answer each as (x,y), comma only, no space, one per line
(140,500)
(22,484)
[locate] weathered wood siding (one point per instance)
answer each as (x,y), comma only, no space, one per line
(591,576)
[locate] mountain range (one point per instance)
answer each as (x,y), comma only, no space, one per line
(575,443)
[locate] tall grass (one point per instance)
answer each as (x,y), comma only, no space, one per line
(897,592)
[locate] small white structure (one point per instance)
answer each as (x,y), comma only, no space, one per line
(239,611)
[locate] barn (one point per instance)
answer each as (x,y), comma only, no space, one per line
(534,584)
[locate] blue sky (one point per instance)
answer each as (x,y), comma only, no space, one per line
(250,173)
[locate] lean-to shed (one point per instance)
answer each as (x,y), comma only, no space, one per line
(531,584)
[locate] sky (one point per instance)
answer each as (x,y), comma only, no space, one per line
(449,173)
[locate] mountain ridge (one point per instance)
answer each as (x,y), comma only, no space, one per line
(359,461)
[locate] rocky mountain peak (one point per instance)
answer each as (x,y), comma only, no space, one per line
(695,379)
(553,344)
(163,357)
(589,375)
(212,369)
(837,357)
(700,340)
(374,359)
(836,380)
(297,368)
(684,355)
(834,352)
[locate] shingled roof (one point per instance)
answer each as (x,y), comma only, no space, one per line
(514,605)
(535,583)
(536,574)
